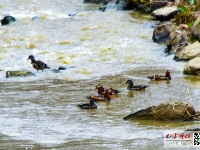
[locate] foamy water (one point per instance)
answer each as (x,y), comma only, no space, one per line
(96,48)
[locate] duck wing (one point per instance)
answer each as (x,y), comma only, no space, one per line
(139,87)
(41,64)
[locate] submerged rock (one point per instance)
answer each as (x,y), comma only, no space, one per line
(7,20)
(62,68)
(19,74)
(176,111)
(192,67)
(55,70)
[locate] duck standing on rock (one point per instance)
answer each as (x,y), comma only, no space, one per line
(158,77)
(90,105)
(38,65)
(131,86)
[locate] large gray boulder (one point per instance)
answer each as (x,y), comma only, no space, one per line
(161,32)
(189,52)
(196,28)
(175,111)
(23,73)
(177,41)
(192,67)
(165,13)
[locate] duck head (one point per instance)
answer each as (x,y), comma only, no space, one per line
(100,89)
(130,83)
(168,75)
(92,101)
(31,58)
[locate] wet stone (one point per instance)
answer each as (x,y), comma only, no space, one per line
(23,73)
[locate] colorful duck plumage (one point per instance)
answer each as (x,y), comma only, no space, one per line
(167,76)
(105,97)
(101,90)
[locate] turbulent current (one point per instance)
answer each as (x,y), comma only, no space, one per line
(107,48)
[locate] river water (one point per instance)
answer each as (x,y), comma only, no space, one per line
(96,47)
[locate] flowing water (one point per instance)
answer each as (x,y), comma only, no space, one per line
(96,47)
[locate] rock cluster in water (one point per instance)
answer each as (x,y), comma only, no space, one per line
(179,28)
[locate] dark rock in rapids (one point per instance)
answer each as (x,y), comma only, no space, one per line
(176,111)
(157,4)
(36,18)
(141,5)
(55,70)
(23,73)
(62,68)
(7,20)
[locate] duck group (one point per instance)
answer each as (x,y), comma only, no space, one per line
(105,94)
(102,94)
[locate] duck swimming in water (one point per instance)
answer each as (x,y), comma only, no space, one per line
(101,90)
(90,105)
(135,87)
(112,91)
(38,65)
(161,77)
(105,97)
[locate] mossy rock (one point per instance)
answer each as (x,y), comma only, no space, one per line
(23,73)
(176,111)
